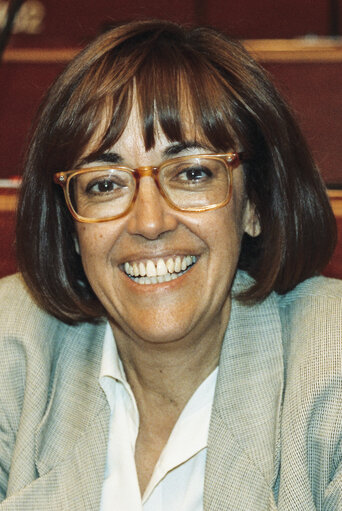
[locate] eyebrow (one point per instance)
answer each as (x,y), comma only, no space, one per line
(178,147)
(171,150)
(110,157)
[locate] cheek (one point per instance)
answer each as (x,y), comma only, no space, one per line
(89,239)
(227,230)
(227,242)
(95,243)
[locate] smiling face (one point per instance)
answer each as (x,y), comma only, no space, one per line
(164,275)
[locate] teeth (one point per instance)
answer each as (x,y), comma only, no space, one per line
(151,269)
(178,264)
(170,265)
(161,267)
(151,273)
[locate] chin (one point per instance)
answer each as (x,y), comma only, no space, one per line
(162,331)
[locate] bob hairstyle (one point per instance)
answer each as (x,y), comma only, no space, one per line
(180,77)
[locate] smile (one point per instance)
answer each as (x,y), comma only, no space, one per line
(150,272)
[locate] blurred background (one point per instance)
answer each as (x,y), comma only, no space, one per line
(298,41)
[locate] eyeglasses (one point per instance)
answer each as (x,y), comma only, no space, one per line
(190,183)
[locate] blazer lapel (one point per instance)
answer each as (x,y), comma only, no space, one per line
(243,444)
(71,440)
(73,484)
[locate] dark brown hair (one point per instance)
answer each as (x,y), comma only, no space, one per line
(176,74)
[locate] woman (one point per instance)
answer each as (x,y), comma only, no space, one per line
(165,291)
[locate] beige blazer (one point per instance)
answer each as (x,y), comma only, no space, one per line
(54,415)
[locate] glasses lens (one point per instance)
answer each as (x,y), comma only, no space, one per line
(195,183)
(101,194)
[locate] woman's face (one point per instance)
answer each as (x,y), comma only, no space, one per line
(199,298)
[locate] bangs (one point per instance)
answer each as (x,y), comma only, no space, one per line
(183,95)
(177,91)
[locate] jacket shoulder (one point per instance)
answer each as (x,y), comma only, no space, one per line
(320,288)
(18,309)
(29,336)
(311,318)
(312,314)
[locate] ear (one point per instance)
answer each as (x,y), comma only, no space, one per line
(251,222)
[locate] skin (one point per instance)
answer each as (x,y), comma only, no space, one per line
(169,335)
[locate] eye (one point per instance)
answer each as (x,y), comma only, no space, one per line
(195,173)
(105,184)
(101,186)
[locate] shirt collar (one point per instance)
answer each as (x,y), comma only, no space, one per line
(111,364)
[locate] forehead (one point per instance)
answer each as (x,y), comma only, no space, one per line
(133,134)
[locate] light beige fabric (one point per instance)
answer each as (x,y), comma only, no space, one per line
(54,415)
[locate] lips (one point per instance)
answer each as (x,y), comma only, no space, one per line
(160,270)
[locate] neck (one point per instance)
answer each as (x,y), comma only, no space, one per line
(169,373)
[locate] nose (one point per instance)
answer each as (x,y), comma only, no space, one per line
(150,216)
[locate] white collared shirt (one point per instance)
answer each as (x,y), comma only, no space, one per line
(178,477)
